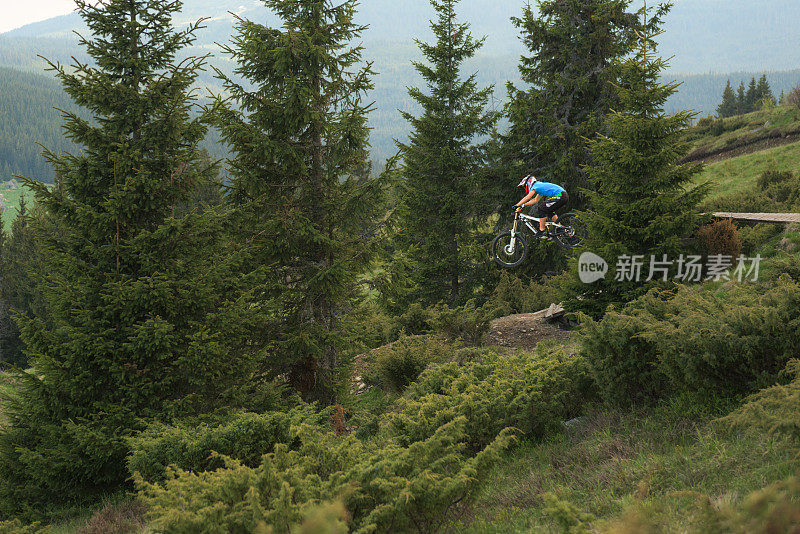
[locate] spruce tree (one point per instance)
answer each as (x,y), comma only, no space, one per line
(728,106)
(764,92)
(751,97)
(20,261)
(571,45)
(8,331)
(641,205)
(296,125)
(741,100)
(441,202)
(132,296)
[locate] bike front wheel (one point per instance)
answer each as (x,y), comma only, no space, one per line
(508,254)
(573,231)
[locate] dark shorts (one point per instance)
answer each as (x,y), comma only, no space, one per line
(550,206)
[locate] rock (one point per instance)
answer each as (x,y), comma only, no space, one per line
(788,245)
(574,422)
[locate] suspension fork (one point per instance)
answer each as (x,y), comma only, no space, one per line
(514,229)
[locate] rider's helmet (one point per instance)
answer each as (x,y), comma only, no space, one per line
(528,182)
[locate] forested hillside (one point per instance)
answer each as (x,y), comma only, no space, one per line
(28,117)
(700,36)
(703,35)
(30,121)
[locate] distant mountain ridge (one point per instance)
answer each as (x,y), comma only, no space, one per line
(704,36)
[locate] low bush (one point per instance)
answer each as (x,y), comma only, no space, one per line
(775,191)
(17,527)
(782,188)
(567,516)
(774,508)
(775,410)
(385,488)
(754,237)
(730,342)
(196,447)
(423,464)
(720,237)
(398,365)
(512,295)
(785,265)
(415,320)
(704,124)
(467,323)
(532,394)
(624,365)
(734,343)
(754,202)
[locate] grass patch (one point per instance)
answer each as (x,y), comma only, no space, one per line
(609,462)
(12,197)
(711,136)
(739,175)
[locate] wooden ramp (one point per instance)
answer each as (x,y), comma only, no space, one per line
(777,218)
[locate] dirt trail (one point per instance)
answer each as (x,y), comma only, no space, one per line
(523,331)
(750,147)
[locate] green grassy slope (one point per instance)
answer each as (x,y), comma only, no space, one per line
(610,462)
(12,197)
(712,136)
(739,175)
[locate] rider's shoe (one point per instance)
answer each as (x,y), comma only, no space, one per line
(545,235)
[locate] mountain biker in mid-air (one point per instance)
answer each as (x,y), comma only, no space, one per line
(555,197)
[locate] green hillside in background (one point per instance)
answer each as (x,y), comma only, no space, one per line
(700,37)
(715,137)
(738,150)
(729,175)
(28,117)
(739,175)
(11,203)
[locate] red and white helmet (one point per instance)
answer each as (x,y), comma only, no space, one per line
(528,182)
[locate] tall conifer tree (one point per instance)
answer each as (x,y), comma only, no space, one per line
(441,200)
(728,106)
(20,257)
(764,92)
(297,129)
(572,45)
(741,99)
(751,97)
(130,291)
(641,205)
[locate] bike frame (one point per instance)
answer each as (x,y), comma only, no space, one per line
(527,219)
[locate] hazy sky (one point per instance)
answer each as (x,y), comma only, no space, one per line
(16,13)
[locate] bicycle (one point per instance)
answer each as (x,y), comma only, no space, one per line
(510,249)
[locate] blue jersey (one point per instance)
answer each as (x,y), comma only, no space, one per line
(548,190)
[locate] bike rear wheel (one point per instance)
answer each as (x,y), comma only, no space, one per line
(573,231)
(505,255)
